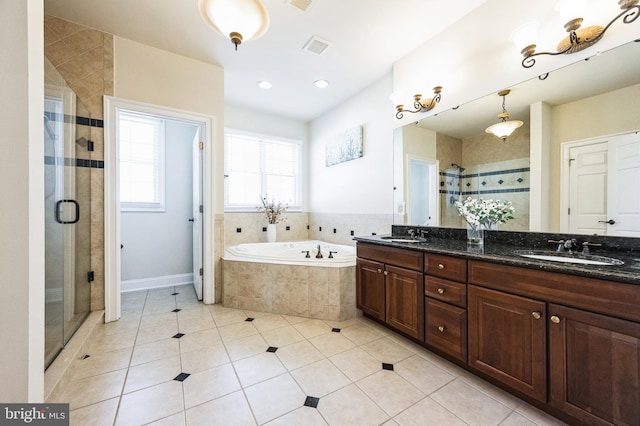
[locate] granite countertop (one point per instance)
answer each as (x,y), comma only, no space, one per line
(502,249)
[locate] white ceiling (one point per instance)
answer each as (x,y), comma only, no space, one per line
(367,36)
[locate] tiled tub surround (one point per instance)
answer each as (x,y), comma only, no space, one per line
(311,288)
(275,370)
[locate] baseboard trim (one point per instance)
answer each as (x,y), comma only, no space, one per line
(156,282)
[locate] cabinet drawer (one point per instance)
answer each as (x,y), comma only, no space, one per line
(403,258)
(452,268)
(446,291)
(446,328)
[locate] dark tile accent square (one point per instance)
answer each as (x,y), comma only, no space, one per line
(249,319)
(386,366)
(520,180)
(320,228)
(483,183)
(373,233)
(311,401)
(353,233)
(335,330)
(176,310)
(86,356)
(334,230)
(272,349)
(238,230)
(178,335)
(181,377)
(264,229)
(500,181)
(468,184)
(175,294)
(308,227)
(287,228)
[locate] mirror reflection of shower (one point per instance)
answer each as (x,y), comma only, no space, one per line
(453,179)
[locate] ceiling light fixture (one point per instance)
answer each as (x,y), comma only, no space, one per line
(505,127)
(321,84)
(419,104)
(239,20)
(264,84)
(581,38)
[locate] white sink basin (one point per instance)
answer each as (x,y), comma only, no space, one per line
(583,259)
(401,239)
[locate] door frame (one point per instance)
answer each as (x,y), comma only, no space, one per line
(112,239)
(434,194)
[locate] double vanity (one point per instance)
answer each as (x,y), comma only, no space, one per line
(562,335)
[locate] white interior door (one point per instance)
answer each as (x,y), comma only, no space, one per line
(197,213)
(624,186)
(588,189)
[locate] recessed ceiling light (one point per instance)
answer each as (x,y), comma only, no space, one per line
(321,84)
(263,84)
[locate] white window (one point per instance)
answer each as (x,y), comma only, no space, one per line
(141,162)
(260,165)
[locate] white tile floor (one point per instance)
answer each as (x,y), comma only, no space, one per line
(237,377)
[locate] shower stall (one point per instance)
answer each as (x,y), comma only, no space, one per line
(67,199)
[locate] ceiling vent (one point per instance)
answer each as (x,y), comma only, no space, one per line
(300,4)
(316,45)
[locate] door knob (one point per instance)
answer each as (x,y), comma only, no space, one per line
(610,221)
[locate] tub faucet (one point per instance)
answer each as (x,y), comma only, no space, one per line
(331,254)
(319,255)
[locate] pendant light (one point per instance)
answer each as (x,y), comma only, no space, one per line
(239,20)
(504,127)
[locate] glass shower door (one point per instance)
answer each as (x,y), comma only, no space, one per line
(67,200)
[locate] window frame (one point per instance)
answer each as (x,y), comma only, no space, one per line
(263,139)
(160,183)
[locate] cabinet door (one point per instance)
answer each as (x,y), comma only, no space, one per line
(594,363)
(370,288)
(507,339)
(405,301)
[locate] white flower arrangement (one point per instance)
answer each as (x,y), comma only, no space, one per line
(273,209)
(485,212)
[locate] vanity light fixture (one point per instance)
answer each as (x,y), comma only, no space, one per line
(419,104)
(581,38)
(239,20)
(504,127)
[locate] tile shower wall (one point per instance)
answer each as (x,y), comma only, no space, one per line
(84,57)
(505,180)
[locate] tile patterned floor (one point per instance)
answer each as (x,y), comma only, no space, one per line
(170,360)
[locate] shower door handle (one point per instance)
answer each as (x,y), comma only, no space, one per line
(67,222)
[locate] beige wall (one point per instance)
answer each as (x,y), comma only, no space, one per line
(22,212)
(486,148)
(603,115)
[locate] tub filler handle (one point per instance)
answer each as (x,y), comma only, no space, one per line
(331,254)
(306,251)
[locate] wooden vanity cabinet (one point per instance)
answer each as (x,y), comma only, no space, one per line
(445,304)
(508,339)
(594,363)
(390,287)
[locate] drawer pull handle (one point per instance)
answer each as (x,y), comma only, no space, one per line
(555,319)
(535,315)
(441,328)
(441,290)
(440,266)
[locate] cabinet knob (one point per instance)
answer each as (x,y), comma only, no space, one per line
(441,328)
(386,273)
(440,266)
(379,270)
(441,290)
(535,315)
(555,319)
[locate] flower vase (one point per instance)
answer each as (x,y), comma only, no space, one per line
(475,234)
(271,233)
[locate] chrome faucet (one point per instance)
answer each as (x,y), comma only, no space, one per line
(319,255)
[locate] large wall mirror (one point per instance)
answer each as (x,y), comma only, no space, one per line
(557,169)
